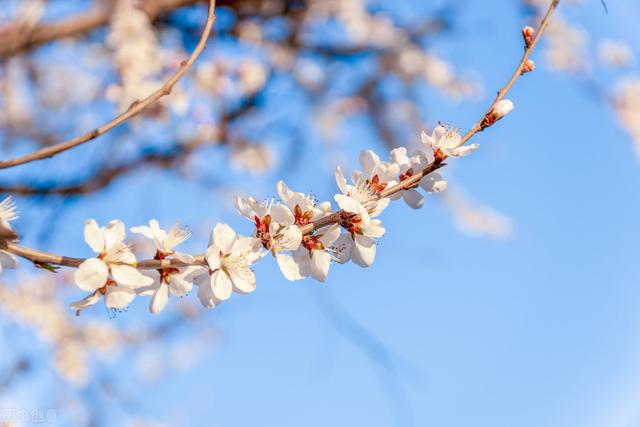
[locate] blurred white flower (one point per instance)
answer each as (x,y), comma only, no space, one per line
(8,213)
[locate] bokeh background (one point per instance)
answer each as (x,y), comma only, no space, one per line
(512,299)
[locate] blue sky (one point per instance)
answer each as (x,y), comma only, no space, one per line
(444,329)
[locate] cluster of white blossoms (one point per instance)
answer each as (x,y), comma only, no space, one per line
(303,235)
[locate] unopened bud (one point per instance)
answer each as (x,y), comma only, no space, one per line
(528,66)
(527,35)
(500,110)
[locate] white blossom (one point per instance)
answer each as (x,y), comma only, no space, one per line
(446,140)
(7,214)
(170,280)
(111,274)
(406,167)
(229,258)
(276,229)
(313,257)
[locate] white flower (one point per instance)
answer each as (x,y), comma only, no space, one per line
(409,166)
(446,141)
(110,273)
(360,244)
(169,280)
(7,214)
(276,229)
(229,258)
(165,242)
(314,255)
(363,191)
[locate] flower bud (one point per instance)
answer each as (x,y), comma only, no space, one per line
(500,110)
(528,66)
(527,35)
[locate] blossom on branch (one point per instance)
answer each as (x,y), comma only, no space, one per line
(7,214)
(276,229)
(112,273)
(167,280)
(229,258)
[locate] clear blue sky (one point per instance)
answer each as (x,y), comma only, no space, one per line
(443,330)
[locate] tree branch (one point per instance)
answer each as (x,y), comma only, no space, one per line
(135,108)
(44,258)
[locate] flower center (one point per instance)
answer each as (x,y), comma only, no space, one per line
(262,230)
(312,243)
(375,184)
(350,222)
(302,218)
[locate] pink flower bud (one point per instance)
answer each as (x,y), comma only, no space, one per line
(527,35)
(528,66)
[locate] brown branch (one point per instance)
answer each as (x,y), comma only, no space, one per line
(15,42)
(516,74)
(44,258)
(135,108)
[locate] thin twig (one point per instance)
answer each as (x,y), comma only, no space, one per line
(135,108)
(44,258)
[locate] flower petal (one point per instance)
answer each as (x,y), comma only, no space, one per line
(363,251)
(181,283)
(221,285)
(320,263)
(223,237)
(369,160)
(159,299)
(7,260)
(205,291)
(281,215)
(244,280)
(92,274)
(114,233)
(129,276)
(94,236)
(118,297)
(87,301)
(289,267)
(413,198)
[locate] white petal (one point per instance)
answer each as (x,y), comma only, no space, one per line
(212,256)
(320,262)
(244,281)
(223,237)
(369,160)
(284,192)
(144,230)
(8,260)
(129,276)
(118,297)
(281,215)
(413,198)
(374,229)
(92,274)
(181,283)
(221,285)
(349,204)
(329,235)
(87,301)
(342,248)
(378,207)
(289,238)
(465,150)
(205,291)
(114,233)
(341,181)
(289,268)
(363,251)
(159,299)
(94,237)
